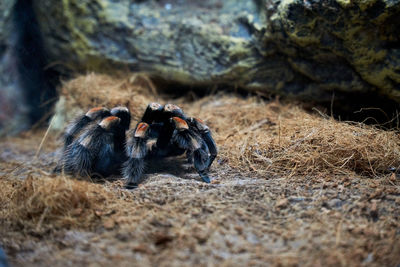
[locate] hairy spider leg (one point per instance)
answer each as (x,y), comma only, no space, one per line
(201,159)
(205,133)
(152,113)
(171,110)
(107,160)
(120,133)
(124,114)
(212,147)
(82,121)
(93,151)
(188,140)
(78,125)
(72,129)
(202,129)
(136,151)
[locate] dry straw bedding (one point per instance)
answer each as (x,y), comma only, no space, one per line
(256,138)
(268,138)
(262,139)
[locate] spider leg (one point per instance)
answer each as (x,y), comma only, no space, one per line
(155,130)
(71,131)
(171,110)
(162,129)
(124,114)
(93,151)
(104,162)
(78,160)
(152,113)
(133,170)
(103,147)
(189,157)
(75,127)
(202,129)
(137,150)
(190,141)
(120,134)
(201,164)
(82,121)
(212,147)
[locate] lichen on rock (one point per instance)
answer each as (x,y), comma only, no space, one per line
(305,49)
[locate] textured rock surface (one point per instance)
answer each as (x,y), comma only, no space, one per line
(351,46)
(26,82)
(13,111)
(306,49)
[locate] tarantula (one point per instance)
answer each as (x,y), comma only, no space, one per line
(98,143)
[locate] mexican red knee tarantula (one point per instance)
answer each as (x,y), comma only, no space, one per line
(96,143)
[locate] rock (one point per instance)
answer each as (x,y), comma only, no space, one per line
(342,51)
(305,49)
(3,259)
(26,83)
(13,117)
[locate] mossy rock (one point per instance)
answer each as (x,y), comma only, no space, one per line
(301,48)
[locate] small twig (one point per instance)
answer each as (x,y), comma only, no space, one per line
(321,113)
(301,140)
(346,161)
(43,139)
(370,165)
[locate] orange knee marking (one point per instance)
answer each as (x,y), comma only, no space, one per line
(109,122)
(180,123)
(96,109)
(141,129)
(111,118)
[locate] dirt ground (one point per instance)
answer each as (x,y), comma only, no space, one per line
(279,197)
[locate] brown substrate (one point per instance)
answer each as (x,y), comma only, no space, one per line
(289,187)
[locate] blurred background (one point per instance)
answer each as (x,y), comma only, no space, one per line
(340,55)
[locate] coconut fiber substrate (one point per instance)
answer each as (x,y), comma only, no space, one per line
(289,187)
